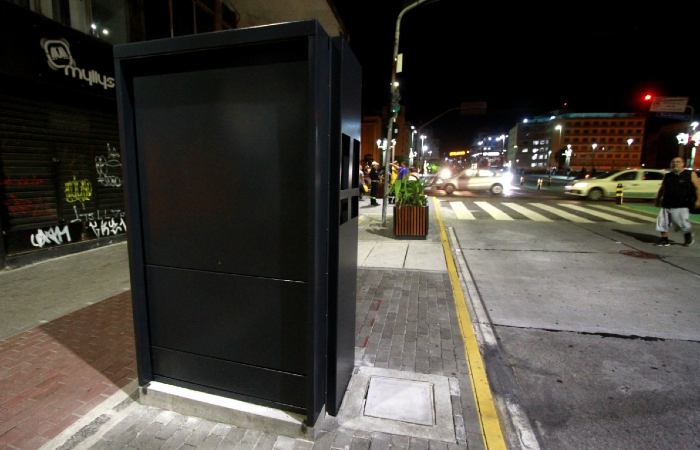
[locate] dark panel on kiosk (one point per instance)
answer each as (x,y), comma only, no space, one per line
(346,122)
(225,137)
(219,168)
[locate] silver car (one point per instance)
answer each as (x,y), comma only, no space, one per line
(494,181)
(636,183)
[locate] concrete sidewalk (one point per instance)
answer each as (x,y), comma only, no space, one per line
(67,364)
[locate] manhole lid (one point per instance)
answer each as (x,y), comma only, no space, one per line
(403,400)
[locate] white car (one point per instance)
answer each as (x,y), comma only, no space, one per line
(636,183)
(494,181)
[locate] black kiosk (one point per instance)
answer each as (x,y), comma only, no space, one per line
(241,153)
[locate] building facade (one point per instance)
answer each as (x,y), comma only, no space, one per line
(60,155)
(601,141)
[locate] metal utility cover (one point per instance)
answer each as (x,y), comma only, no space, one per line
(400,403)
(402,400)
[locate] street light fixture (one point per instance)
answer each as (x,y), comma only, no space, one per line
(629,145)
(594,145)
(683,139)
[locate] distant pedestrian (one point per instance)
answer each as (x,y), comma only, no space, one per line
(679,191)
(362,184)
(394,172)
(403,172)
(374,177)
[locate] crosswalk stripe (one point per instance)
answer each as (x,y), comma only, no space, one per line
(602,215)
(493,211)
(461,211)
(561,213)
(530,214)
(624,212)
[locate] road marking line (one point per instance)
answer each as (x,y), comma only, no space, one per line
(493,211)
(560,213)
(461,211)
(602,215)
(530,214)
(491,430)
(625,212)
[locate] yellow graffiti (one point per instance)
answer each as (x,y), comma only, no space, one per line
(78,191)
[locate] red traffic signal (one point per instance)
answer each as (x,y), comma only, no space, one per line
(648,97)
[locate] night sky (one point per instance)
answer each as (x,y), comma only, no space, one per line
(522,60)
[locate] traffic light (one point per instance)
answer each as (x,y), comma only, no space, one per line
(648,97)
(395,97)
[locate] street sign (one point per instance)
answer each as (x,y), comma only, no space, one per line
(673,116)
(669,104)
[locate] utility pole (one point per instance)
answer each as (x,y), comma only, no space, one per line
(394,106)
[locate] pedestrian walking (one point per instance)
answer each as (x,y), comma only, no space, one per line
(374,177)
(679,191)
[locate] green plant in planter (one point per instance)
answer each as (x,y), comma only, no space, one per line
(409,193)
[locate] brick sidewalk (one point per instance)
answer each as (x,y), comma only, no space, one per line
(52,375)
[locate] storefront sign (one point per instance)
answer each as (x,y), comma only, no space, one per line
(59,58)
(43,50)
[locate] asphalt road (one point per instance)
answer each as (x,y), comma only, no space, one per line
(595,331)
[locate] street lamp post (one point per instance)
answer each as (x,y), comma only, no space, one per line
(682,141)
(559,147)
(413,138)
(629,146)
(422,149)
(594,145)
(393,98)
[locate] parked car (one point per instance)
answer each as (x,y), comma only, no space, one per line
(636,183)
(494,181)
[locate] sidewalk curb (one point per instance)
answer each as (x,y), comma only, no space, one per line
(84,433)
(518,431)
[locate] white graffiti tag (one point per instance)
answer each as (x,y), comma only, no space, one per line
(107,227)
(103,164)
(55,235)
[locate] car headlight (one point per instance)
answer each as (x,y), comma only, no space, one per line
(580,185)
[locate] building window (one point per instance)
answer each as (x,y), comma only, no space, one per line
(104,19)
(183,17)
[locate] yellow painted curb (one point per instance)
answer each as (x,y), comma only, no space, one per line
(488,418)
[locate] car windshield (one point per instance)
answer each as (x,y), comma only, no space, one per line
(601,175)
